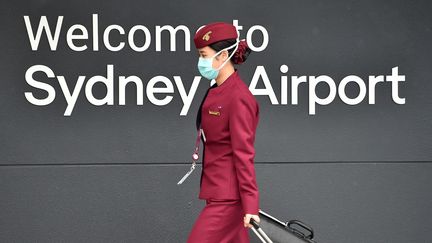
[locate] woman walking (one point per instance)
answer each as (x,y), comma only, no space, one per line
(228,117)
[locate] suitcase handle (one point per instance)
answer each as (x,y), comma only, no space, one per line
(254,223)
(302,225)
(261,234)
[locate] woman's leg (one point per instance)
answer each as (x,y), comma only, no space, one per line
(220,221)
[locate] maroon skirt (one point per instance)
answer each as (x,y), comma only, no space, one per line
(220,221)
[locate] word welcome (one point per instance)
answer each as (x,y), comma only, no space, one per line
(78,33)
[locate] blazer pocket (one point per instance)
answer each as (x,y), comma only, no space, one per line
(215,110)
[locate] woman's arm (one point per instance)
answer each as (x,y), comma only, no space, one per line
(243,121)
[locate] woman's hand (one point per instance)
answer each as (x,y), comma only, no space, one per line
(247,218)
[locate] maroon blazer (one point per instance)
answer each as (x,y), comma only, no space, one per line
(229,118)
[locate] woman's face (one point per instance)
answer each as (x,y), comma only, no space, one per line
(207,52)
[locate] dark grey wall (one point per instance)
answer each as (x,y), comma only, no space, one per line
(108,173)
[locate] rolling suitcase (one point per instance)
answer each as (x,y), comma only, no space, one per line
(272,230)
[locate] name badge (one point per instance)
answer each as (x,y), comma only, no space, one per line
(215,113)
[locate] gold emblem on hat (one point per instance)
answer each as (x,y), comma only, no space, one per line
(206,37)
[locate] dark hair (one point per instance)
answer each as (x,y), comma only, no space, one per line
(241,54)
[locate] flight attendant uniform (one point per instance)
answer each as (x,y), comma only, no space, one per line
(229,118)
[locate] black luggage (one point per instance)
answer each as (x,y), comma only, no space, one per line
(272,230)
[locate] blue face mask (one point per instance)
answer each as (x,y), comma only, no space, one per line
(205,65)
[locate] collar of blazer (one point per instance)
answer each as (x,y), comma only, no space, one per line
(229,82)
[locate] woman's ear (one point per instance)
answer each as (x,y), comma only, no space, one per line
(222,56)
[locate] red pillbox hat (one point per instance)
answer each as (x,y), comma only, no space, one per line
(214,32)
